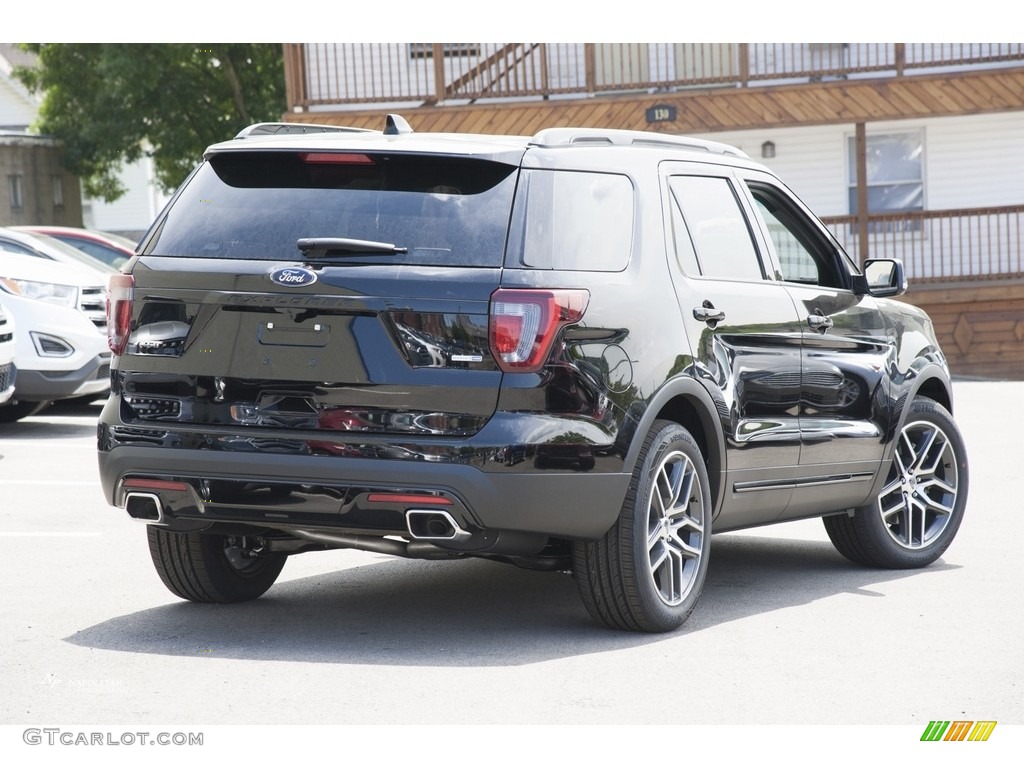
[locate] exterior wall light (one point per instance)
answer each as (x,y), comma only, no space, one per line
(768,150)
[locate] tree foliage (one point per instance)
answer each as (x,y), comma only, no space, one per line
(112,103)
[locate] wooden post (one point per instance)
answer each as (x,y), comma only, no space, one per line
(744,64)
(545,86)
(589,67)
(901,58)
(439,87)
(296,89)
(862,192)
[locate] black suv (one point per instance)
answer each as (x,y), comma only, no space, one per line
(578,351)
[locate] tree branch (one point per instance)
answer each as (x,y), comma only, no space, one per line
(236,88)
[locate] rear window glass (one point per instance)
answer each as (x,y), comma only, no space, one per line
(257,205)
(572,220)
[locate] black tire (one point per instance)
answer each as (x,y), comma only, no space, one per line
(206,568)
(647,572)
(11,412)
(918,512)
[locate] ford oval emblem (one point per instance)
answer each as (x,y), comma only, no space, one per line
(292,276)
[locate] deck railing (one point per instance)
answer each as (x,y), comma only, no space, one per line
(352,74)
(943,246)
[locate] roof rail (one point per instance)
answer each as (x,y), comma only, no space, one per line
(276,129)
(565,137)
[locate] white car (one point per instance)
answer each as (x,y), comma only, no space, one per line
(108,247)
(7,367)
(44,246)
(61,345)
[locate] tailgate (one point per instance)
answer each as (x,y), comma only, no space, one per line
(372,348)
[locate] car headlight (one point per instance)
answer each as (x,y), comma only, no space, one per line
(55,293)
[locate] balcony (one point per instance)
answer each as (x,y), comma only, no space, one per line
(352,74)
(937,247)
(966,269)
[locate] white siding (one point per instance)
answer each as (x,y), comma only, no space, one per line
(17,111)
(970,162)
(810,160)
(975,161)
(135,211)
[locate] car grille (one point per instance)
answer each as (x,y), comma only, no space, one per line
(92,300)
(6,375)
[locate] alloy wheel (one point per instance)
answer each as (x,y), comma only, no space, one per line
(920,496)
(675,516)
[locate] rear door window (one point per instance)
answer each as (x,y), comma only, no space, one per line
(715,240)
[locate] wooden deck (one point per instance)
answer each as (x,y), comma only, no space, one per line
(709,110)
(980,326)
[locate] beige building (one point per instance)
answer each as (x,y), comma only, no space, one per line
(34,187)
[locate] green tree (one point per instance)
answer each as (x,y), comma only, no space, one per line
(112,103)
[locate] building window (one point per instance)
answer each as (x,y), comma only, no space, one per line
(17,196)
(426,50)
(895,172)
(58,191)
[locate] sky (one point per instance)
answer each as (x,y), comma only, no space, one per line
(550,21)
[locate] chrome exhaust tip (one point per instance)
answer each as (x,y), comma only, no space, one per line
(433,525)
(146,507)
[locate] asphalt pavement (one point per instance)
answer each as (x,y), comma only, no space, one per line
(786,633)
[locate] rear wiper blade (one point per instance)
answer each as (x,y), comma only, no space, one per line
(325,246)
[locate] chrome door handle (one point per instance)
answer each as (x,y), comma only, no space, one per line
(820,323)
(707,313)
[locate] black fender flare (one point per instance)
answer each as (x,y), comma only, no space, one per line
(703,405)
(929,373)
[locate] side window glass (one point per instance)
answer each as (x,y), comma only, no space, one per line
(798,266)
(685,253)
(16,248)
(718,229)
(573,220)
(804,257)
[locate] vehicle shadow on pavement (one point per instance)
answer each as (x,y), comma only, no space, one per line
(471,613)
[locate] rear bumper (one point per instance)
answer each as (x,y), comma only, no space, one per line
(292,483)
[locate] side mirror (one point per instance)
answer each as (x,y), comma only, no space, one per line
(884,277)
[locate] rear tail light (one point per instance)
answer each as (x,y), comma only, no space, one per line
(524,324)
(120,297)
